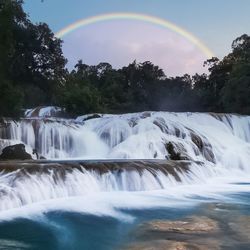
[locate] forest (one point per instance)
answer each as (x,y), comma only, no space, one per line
(33,73)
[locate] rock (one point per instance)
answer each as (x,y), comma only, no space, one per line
(160,122)
(171,245)
(155,155)
(145,115)
(133,122)
(208,154)
(173,155)
(193,233)
(177,132)
(92,116)
(189,225)
(197,140)
(38,157)
(15,152)
(34,152)
(204,147)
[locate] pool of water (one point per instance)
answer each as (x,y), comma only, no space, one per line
(116,227)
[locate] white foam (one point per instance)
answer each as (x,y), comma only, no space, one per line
(225,152)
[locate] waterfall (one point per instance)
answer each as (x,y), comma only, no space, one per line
(196,136)
(26,183)
(200,146)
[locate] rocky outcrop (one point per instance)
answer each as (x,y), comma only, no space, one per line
(186,226)
(173,154)
(196,139)
(92,116)
(203,146)
(194,233)
(101,167)
(15,152)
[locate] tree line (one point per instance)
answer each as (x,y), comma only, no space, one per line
(33,73)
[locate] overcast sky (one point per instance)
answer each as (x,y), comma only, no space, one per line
(215,22)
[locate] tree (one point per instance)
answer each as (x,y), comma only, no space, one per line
(32,73)
(236,92)
(31,58)
(77,94)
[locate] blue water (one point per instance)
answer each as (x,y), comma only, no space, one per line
(67,230)
(64,230)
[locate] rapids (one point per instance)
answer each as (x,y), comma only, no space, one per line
(218,138)
(97,153)
(104,175)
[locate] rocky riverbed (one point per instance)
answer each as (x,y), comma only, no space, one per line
(218,227)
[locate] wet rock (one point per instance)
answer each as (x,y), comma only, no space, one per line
(173,153)
(209,155)
(204,147)
(38,157)
(92,116)
(172,168)
(177,132)
(193,233)
(171,245)
(15,152)
(197,140)
(160,122)
(133,122)
(187,226)
(145,115)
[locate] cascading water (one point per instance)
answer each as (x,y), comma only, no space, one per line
(49,180)
(111,166)
(214,145)
(199,137)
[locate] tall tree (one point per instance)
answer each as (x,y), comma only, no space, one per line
(31,56)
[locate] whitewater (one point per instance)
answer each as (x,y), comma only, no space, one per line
(106,173)
(215,147)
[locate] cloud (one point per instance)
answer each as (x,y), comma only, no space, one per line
(121,42)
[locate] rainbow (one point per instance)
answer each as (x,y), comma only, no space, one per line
(140,17)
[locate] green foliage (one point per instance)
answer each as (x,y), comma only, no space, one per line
(236,92)
(77,94)
(31,59)
(11,99)
(32,73)
(229,79)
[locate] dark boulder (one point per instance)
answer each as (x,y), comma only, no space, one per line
(38,157)
(173,155)
(92,116)
(176,154)
(196,139)
(15,152)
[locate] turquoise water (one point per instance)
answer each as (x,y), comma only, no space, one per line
(67,230)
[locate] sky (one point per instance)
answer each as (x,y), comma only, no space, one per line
(216,23)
